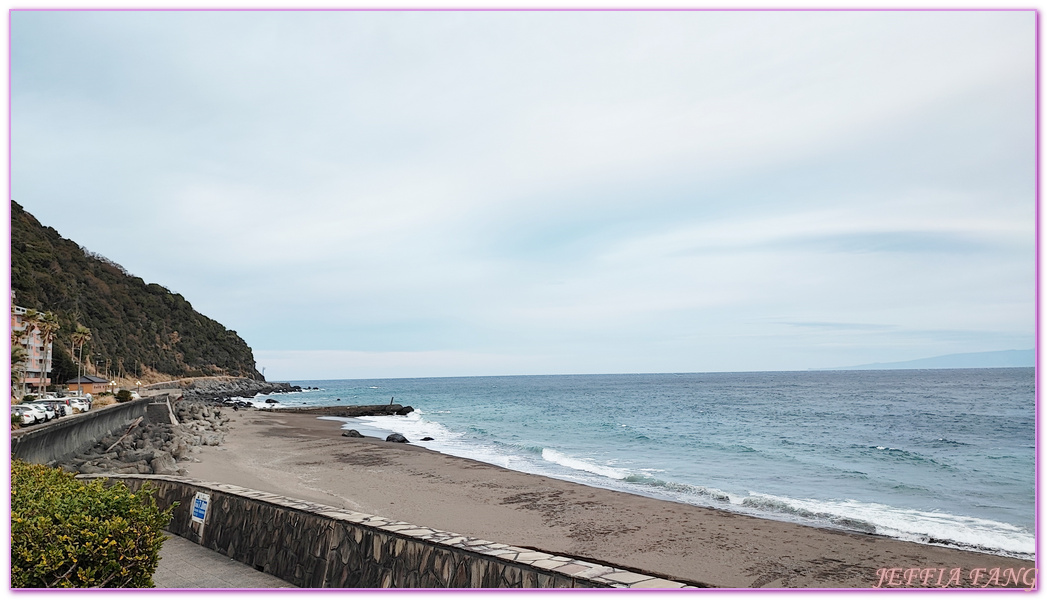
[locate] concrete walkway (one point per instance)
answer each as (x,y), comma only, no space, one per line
(184,564)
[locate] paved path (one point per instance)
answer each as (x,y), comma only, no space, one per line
(184,564)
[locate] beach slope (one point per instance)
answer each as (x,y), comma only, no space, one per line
(301,456)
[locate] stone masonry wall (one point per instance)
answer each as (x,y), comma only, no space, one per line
(315,546)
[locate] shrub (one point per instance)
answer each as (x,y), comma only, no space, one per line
(16,421)
(102,401)
(69,533)
(28,398)
(123,396)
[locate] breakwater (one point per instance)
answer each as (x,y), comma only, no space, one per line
(316,546)
(349,411)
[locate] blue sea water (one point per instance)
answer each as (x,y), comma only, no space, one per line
(934,456)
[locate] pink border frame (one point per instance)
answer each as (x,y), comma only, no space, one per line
(580,9)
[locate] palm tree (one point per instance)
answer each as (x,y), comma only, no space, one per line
(31,320)
(18,356)
(81,336)
(48,327)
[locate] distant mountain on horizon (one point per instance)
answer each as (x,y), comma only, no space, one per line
(967,360)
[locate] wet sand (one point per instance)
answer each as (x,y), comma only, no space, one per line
(304,457)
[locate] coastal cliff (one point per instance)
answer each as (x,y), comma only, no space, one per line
(140,330)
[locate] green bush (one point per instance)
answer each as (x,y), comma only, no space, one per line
(70,533)
(123,396)
(28,398)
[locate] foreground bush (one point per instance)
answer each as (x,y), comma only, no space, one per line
(70,533)
(124,396)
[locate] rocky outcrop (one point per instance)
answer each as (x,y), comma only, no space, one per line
(396,437)
(222,388)
(154,448)
(352,433)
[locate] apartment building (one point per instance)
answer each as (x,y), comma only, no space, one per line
(38,361)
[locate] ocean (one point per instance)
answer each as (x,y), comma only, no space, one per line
(942,457)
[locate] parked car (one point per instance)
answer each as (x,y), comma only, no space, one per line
(27,414)
(56,405)
(39,414)
(78,403)
(49,413)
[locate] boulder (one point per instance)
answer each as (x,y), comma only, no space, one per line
(396,437)
(270,401)
(427,439)
(352,433)
(180,450)
(405,410)
(163,464)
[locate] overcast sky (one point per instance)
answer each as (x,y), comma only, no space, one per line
(398,194)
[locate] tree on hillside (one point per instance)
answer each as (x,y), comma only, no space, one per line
(48,327)
(81,336)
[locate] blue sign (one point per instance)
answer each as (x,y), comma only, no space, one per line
(200,506)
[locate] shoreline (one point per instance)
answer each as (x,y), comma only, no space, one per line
(302,456)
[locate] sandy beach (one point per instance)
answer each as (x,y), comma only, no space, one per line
(301,456)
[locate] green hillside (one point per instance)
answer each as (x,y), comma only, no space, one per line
(137,327)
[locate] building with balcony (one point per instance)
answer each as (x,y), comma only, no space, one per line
(38,361)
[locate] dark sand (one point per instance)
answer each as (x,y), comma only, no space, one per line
(304,457)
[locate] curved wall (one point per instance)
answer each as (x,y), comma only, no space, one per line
(315,546)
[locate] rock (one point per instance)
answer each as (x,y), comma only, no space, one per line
(405,410)
(427,439)
(137,455)
(270,401)
(352,433)
(163,464)
(396,437)
(180,450)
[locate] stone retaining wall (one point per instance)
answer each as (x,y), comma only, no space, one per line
(315,546)
(68,435)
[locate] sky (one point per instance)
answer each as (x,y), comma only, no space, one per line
(416,194)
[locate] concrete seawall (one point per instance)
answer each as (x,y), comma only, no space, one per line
(362,410)
(65,437)
(315,546)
